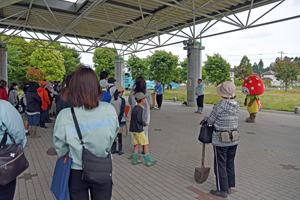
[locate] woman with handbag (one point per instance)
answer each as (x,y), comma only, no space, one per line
(12,124)
(90,127)
(224,116)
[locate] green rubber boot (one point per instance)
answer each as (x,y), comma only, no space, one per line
(149,161)
(135,157)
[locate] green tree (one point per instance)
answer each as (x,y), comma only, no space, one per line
(137,66)
(176,76)
(217,69)
(71,58)
(204,74)
(50,62)
(162,65)
(17,59)
(297,60)
(183,72)
(255,68)
(238,82)
(260,67)
(104,61)
(287,71)
(244,69)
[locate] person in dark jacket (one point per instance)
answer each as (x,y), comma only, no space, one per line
(34,103)
(63,99)
(50,95)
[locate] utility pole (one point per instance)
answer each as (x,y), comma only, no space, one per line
(281,52)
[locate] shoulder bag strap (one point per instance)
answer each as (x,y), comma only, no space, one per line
(77,126)
(4,139)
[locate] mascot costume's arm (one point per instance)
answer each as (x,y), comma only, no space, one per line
(251,101)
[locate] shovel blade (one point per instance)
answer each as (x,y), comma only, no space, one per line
(201,174)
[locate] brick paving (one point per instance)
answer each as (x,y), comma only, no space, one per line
(267,161)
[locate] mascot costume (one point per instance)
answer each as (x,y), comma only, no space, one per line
(252,86)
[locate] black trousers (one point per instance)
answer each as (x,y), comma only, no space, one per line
(224,167)
(200,101)
(120,139)
(79,188)
(159,98)
(7,192)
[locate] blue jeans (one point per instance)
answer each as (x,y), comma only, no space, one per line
(34,120)
(43,114)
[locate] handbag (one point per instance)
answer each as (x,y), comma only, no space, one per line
(60,180)
(228,136)
(95,169)
(206,132)
(12,160)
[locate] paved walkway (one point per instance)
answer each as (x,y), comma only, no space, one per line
(267,161)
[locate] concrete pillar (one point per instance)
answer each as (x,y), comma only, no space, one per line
(194,70)
(119,72)
(3,62)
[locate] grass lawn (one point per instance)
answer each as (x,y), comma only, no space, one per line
(272,100)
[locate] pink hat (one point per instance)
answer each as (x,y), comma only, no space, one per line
(226,89)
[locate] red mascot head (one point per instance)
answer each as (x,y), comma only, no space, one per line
(253,85)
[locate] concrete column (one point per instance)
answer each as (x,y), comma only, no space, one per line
(119,72)
(194,70)
(3,62)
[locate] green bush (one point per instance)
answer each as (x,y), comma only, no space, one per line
(238,82)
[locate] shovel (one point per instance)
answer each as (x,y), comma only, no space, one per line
(201,173)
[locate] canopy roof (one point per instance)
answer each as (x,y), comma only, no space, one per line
(122,22)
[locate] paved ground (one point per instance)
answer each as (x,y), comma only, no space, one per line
(267,161)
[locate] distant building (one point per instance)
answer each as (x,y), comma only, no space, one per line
(231,74)
(256,74)
(270,75)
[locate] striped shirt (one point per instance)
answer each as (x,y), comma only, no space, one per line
(224,116)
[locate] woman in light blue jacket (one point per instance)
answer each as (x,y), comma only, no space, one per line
(99,125)
(10,122)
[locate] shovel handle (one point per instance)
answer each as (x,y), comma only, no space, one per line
(203,155)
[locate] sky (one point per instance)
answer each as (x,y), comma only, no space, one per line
(263,42)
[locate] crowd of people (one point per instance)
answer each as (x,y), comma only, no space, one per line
(99,107)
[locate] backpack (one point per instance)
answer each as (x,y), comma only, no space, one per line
(21,106)
(108,89)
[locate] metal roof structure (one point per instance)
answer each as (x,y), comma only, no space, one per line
(128,25)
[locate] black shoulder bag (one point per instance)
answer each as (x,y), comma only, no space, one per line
(12,160)
(95,169)
(206,132)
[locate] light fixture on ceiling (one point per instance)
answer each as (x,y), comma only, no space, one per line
(71,1)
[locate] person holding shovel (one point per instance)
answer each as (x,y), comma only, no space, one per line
(224,116)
